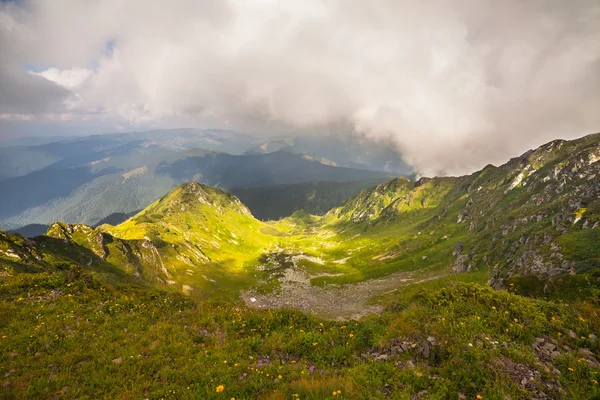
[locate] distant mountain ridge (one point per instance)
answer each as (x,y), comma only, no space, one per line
(83,179)
(348,151)
(533,222)
(130,177)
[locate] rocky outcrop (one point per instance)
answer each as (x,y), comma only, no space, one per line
(462,262)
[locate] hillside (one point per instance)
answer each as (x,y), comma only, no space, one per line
(279,201)
(536,215)
(384,296)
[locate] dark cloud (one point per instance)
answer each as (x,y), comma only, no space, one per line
(457,84)
(25,93)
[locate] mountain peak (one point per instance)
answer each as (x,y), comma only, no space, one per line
(196,198)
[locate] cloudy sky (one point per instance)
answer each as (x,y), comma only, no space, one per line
(457,83)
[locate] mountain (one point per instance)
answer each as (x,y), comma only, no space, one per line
(30,140)
(252,170)
(31,230)
(20,160)
(344,150)
(86,188)
(279,201)
(170,242)
(139,308)
(29,155)
(535,217)
(83,179)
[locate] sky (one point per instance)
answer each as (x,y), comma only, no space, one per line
(456,84)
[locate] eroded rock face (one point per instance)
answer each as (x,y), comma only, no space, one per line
(463,262)
(547,193)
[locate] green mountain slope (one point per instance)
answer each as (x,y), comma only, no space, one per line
(535,217)
(203,232)
(154,307)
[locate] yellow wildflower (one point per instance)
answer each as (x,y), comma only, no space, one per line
(279,377)
(220,388)
(351,335)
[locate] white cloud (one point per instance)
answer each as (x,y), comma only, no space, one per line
(71,78)
(458,84)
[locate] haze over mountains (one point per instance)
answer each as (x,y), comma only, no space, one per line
(85,179)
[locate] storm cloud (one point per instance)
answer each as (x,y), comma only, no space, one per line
(456,84)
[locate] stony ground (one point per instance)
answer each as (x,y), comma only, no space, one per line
(340,302)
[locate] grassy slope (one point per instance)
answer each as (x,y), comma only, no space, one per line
(143,343)
(204,234)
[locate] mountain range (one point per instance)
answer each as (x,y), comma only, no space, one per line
(86,179)
(536,216)
(478,286)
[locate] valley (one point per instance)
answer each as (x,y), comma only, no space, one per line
(412,277)
(299,200)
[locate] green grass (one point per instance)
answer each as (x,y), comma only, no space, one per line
(61,332)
